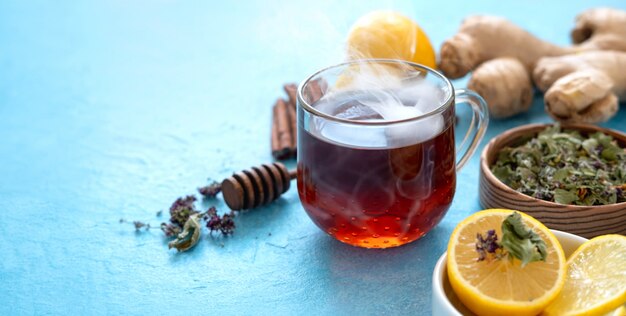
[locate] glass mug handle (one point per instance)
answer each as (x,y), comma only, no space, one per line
(478,124)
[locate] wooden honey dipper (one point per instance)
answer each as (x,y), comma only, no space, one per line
(256,186)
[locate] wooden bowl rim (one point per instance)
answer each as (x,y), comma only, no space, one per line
(532,128)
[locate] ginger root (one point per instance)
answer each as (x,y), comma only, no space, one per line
(584,87)
(487,44)
(505,55)
(482,38)
(600,29)
(505,85)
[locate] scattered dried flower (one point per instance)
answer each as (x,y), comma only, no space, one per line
(211,190)
(487,245)
(214,222)
(228,225)
(182,209)
(185,221)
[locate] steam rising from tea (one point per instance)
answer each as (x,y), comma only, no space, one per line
(380,93)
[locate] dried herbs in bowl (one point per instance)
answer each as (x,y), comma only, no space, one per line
(566,167)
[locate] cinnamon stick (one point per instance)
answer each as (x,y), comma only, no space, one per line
(291,90)
(274,141)
(284,120)
(291,111)
(315,91)
(283,131)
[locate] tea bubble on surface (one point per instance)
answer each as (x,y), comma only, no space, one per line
(348,106)
(360,137)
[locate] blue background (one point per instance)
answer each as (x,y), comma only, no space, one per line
(113,109)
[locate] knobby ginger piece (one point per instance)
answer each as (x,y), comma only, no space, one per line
(482,38)
(585,87)
(612,63)
(600,28)
(583,96)
(505,85)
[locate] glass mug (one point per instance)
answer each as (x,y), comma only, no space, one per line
(376,158)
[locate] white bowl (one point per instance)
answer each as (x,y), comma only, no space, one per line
(445,302)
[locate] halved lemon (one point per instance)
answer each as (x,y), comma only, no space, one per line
(596,278)
(503,286)
(388,34)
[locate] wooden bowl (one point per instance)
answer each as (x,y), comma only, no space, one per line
(586,221)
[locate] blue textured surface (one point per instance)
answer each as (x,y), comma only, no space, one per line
(114,109)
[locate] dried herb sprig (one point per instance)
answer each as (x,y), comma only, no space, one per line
(138,224)
(188,234)
(566,167)
(522,242)
(518,242)
(180,211)
(170,229)
(184,223)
